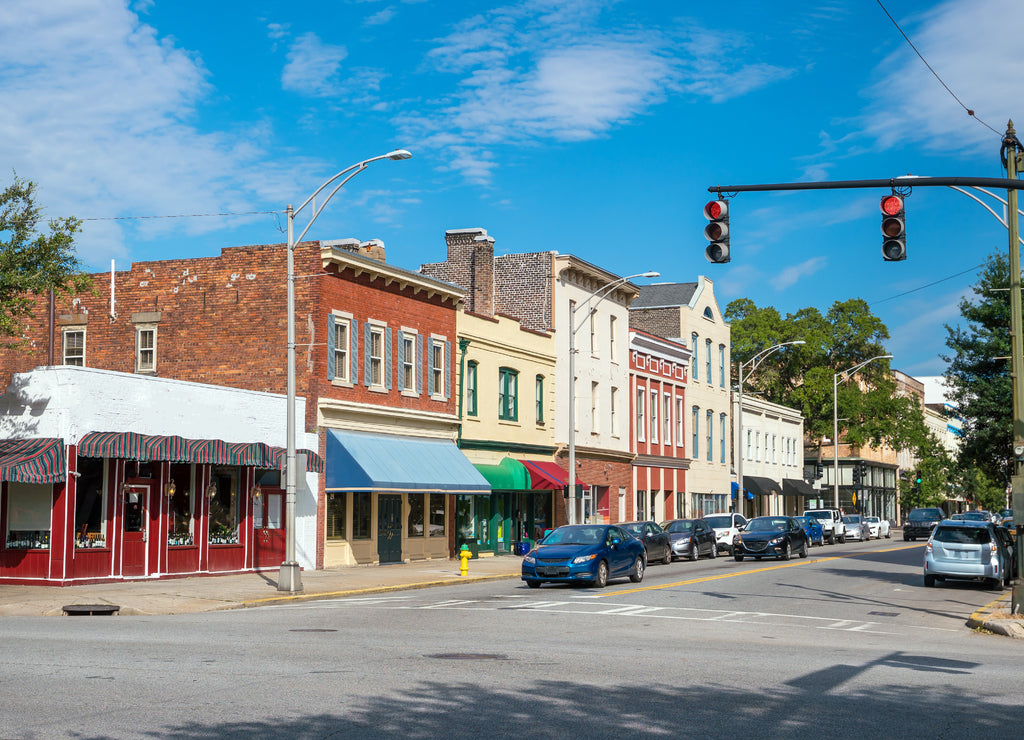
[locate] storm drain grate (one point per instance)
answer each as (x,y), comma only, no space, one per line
(468,656)
(313,629)
(885,614)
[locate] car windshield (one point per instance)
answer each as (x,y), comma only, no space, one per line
(820,514)
(766,524)
(575,535)
(719,522)
(872,519)
(679,526)
(976,516)
(925,514)
(851,520)
(962,535)
(633,528)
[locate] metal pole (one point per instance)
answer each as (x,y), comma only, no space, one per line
(571,490)
(289,578)
(741,499)
(1010,141)
(835,438)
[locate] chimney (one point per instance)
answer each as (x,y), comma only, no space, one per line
(374,249)
(471,266)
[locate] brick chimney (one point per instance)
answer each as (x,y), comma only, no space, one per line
(471,266)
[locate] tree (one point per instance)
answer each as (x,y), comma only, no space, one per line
(31,264)
(979,377)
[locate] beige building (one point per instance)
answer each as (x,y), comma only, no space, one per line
(773,458)
(689,313)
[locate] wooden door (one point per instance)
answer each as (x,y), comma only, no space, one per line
(268,529)
(134,529)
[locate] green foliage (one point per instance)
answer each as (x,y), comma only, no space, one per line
(979,381)
(934,488)
(32,263)
(980,490)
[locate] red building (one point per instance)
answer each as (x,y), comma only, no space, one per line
(658,376)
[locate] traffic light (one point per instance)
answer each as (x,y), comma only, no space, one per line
(717,231)
(819,471)
(894,231)
(856,474)
(863,472)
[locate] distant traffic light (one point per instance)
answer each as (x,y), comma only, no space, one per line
(863,472)
(819,471)
(856,474)
(894,230)
(717,231)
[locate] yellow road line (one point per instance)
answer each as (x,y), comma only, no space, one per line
(978,614)
(733,574)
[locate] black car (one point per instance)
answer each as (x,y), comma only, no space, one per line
(656,540)
(771,537)
(691,538)
(921,522)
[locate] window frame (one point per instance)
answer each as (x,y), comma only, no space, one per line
(408,369)
(695,452)
(472,386)
(377,332)
(653,406)
(707,361)
(65,355)
(140,331)
(641,416)
(666,419)
(710,422)
(342,350)
(538,389)
(508,394)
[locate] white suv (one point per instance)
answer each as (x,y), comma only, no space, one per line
(832,527)
(726,525)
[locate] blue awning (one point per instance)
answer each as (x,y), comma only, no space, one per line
(360,461)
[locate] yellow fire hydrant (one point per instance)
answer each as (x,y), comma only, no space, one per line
(464,555)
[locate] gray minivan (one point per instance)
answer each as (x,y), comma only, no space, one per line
(964,550)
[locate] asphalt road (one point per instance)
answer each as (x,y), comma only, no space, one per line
(846,643)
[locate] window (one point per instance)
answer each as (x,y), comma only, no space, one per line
(508,392)
(471,372)
(775,458)
(336,515)
(694,452)
(416,520)
(29,507)
(145,349)
(437,515)
(613,405)
(223,495)
(74,347)
(90,523)
(180,506)
(757,445)
(750,452)
(376,356)
(693,360)
(721,434)
(407,347)
(538,386)
(592,319)
(679,421)
(707,360)
(641,421)
(611,338)
(342,349)
(666,420)
(711,427)
(361,512)
(654,416)
(437,367)
(594,422)
(721,365)
(341,344)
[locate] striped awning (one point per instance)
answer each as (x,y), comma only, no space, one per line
(255,454)
(33,460)
(209,451)
(124,445)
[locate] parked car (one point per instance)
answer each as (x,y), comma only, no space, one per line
(726,525)
(585,553)
(978,515)
(965,551)
(920,523)
(771,536)
(815,533)
(1008,543)
(691,538)
(831,522)
(879,527)
(656,540)
(856,528)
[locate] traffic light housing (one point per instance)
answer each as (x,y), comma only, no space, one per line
(863,472)
(717,231)
(856,474)
(894,229)
(819,471)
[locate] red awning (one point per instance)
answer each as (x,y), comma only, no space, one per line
(33,460)
(547,476)
(124,445)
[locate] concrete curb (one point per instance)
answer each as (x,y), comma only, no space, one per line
(1006,627)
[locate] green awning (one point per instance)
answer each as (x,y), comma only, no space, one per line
(508,475)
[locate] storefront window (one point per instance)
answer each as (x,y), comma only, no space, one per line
(416,514)
(336,515)
(437,518)
(465,526)
(90,504)
(181,523)
(223,494)
(541,516)
(361,512)
(29,506)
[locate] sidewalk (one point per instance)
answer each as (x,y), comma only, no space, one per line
(211,593)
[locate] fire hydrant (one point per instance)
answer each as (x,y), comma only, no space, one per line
(464,555)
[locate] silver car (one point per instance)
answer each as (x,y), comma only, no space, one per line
(964,550)
(856,528)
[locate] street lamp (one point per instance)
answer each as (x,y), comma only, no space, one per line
(753,362)
(835,418)
(289,578)
(573,328)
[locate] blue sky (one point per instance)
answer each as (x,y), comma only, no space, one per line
(585,126)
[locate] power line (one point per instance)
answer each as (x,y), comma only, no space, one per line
(182,215)
(914,290)
(936,74)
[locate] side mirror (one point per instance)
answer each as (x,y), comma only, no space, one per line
(615,542)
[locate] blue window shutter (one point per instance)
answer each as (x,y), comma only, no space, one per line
(430,367)
(419,363)
(353,344)
(400,359)
(387,357)
(367,344)
(330,346)
(447,369)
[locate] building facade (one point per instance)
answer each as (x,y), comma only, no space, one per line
(773,459)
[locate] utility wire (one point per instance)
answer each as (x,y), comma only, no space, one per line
(936,74)
(182,215)
(914,290)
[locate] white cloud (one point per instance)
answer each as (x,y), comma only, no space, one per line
(922,328)
(381,17)
(790,276)
(313,67)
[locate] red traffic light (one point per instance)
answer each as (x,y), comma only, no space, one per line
(891,205)
(716,209)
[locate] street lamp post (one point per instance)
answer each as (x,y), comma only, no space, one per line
(289,578)
(573,328)
(835,418)
(753,362)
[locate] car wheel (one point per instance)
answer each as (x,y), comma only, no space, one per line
(533,584)
(601,580)
(738,558)
(786,555)
(831,538)
(929,581)
(888,535)
(714,550)
(668,554)
(803,553)
(694,550)
(638,570)
(842,539)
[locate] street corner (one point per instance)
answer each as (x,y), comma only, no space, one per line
(996,617)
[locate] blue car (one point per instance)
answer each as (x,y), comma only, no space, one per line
(585,553)
(812,526)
